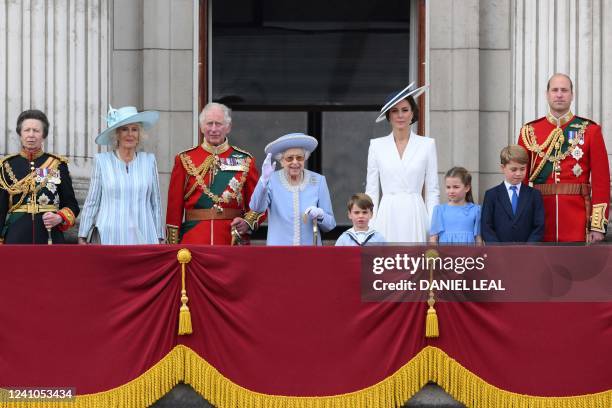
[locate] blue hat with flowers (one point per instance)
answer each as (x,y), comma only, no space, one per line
(123,116)
(395,97)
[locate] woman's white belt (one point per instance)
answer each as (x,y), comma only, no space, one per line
(401,192)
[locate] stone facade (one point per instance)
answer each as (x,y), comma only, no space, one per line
(487,63)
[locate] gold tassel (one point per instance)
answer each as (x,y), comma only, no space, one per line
(184,319)
(431,320)
(184,257)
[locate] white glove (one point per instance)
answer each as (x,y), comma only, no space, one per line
(314,212)
(267,168)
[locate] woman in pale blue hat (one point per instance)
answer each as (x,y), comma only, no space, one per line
(401,166)
(297,199)
(123,205)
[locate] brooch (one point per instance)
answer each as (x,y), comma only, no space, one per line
(577,153)
(577,170)
(51,187)
(43,199)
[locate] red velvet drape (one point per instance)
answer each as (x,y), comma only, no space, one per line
(281,321)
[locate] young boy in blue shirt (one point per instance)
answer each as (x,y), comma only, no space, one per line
(360,209)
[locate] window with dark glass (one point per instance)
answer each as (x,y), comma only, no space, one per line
(314,53)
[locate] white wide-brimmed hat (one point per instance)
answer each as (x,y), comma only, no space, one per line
(123,116)
(291,141)
(410,90)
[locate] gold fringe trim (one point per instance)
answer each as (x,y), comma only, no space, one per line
(141,392)
(430,364)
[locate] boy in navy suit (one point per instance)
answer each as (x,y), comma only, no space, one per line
(512,211)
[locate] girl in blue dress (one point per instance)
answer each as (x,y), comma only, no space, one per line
(458,221)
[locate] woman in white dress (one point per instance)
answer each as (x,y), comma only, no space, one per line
(123,203)
(401,166)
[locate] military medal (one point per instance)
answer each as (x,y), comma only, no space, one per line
(577,153)
(41,174)
(51,187)
(54,177)
(577,170)
(232,164)
(43,199)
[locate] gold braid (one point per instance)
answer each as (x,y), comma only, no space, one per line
(555,140)
(23,186)
(197,173)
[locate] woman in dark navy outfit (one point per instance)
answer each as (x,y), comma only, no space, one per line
(37,201)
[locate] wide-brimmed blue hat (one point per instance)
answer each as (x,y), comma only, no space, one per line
(291,141)
(123,116)
(394,98)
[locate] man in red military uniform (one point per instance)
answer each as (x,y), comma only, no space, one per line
(211,186)
(569,165)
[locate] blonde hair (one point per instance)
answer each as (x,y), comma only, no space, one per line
(513,153)
(114,138)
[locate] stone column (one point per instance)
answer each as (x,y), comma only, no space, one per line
(454,77)
(495,88)
(54,57)
(152,69)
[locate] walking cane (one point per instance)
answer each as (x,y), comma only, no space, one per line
(315,229)
(315,232)
(236,238)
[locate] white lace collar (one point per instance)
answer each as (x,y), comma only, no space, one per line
(297,187)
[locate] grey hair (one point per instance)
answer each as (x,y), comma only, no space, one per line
(227,112)
(114,139)
(279,156)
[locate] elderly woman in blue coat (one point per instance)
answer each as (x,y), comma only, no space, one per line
(296,199)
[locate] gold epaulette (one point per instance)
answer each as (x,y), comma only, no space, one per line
(591,121)
(5,158)
(535,121)
(187,150)
(242,151)
(58,157)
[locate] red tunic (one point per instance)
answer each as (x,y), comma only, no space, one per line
(221,178)
(578,157)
